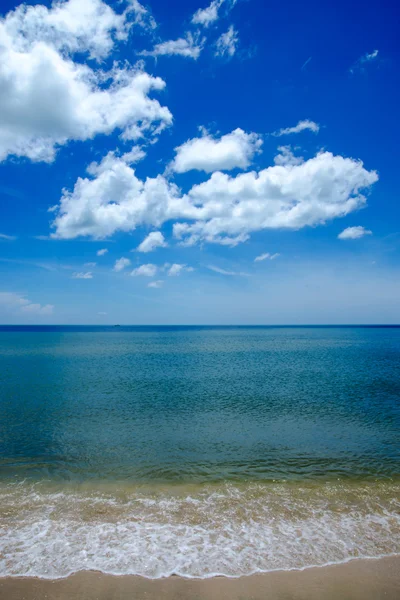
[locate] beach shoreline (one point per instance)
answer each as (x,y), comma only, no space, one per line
(359,579)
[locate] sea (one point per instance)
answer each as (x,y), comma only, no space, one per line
(197,451)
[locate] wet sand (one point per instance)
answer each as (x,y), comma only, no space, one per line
(356,580)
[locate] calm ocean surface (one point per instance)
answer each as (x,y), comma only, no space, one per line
(197,450)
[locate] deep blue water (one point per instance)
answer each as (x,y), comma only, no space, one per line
(199,403)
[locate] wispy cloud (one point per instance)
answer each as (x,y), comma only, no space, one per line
(210,15)
(13,302)
(172,270)
(226,45)
(189,47)
(87,275)
(9,238)
(176,269)
(207,16)
(225,272)
(266,256)
(362,62)
(30,263)
(121,264)
(102,252)
(301,126)
(11,192)
(304,65)
(155,284)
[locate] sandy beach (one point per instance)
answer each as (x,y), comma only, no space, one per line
(357,580)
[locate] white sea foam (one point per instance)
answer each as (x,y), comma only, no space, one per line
(203,532)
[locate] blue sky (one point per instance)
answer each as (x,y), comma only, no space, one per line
(187,140)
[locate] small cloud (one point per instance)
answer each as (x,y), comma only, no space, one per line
(87,275)
(364,60)
(90,265)
(154,240)
(10,238)
(207,16)
(176,269)
(133,156)
(287,158)
(155,284)
(207,153)
(226,44)
(101,313)
(121,264)
(148,270)
(266,256)
(301,126)
(370,56)
(188,47)
(102,252)
(354,233)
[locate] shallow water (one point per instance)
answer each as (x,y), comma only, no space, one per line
(197,451)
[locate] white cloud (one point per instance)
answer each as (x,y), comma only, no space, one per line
(121,264)
(115,199)
(189,47)
(367,57)
(225,272)
(102,252)
(207,16)
(155,284)
(88,26)
(91,265)
(286,157)
(223,209)
(134,155)
(235,149)
(176,269)
(142,15)
(73,101)
(154,240)
(148,270)
(354,233)
(364,60)
(109,160)
(227,43)
(87,275)
(17,303)
(301,126)
(266,256)
(279,197)
(9,238)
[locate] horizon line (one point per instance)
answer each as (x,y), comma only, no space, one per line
(199,325)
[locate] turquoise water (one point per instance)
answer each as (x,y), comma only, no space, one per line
(197,450)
